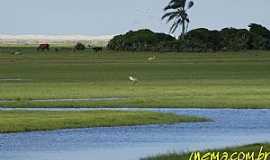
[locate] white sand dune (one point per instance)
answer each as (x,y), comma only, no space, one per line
(8,39)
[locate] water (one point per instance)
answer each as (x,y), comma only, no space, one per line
(230,127)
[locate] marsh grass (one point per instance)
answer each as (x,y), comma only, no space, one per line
(213,80)
(23,121)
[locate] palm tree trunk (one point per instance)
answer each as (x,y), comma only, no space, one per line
(183,30)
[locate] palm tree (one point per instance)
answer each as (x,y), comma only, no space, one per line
(177,12)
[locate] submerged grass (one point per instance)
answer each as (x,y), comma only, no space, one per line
(245,149)
(23,121)
(212,80)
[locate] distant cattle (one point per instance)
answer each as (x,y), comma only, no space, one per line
(43,47)
(97,49)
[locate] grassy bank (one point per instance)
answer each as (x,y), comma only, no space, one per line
(248,148)
(23,121)
(213,80)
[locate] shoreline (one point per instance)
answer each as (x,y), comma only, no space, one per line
(122,108)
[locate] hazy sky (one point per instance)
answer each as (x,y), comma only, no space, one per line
(107,17)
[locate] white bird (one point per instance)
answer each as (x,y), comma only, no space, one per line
(152,58)
(133,79)
(17,53)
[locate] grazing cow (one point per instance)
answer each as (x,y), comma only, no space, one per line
(43,47)
(97,49)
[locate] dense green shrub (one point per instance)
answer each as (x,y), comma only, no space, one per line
(259,30)
(259,43)
(261,36)
(169,46)
(79,46)
(235,39)
(197,40)
(142,40)
(202,40)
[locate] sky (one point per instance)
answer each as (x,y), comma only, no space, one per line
(110,17)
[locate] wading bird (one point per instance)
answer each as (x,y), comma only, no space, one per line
(17,53)
(133,79)
(150,59)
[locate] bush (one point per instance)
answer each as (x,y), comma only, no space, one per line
(202,40)
(259,30)
(235,39)
(259,43)
(261,36)
(79,46)
(198,40)
(169,46)
(142,40)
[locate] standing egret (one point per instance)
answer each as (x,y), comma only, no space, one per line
(133,79)
(152,58)
(16,53)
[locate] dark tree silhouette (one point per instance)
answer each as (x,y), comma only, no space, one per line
(259,30)
(177,12)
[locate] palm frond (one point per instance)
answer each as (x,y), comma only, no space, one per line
(179,14)
(174,4)
(182,13)
(176,25)
(187,19)
(173,28)
(172,17)
(169,14)
(190,4)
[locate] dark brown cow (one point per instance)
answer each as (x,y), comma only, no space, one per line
(43,47)
(97,49)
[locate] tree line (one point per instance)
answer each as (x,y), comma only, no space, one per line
(257,37)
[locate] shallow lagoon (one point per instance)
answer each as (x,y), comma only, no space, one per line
(230,127)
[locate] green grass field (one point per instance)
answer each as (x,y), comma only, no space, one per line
(248,148)
(23,121)
(213,80)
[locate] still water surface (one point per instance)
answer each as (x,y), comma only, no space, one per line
(230,127)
